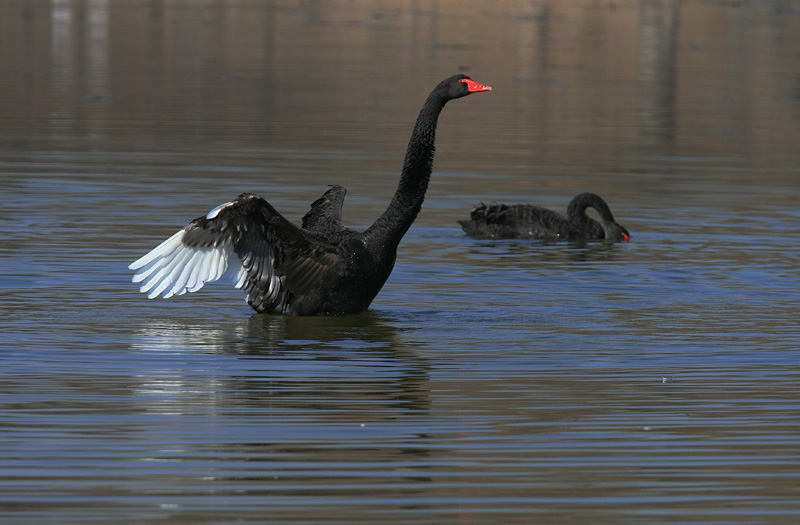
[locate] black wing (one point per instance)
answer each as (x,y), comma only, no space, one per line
(246,240)
(325,215)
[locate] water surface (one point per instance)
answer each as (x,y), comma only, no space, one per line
(511,380)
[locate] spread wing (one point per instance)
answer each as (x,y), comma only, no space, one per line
(246,241)
(325,215)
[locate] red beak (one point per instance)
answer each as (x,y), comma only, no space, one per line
(474,87)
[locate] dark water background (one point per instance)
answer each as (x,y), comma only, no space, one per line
(491,381)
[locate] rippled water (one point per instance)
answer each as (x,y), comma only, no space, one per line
(514,381)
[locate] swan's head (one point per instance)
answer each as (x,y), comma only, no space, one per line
(459,86)
(617,232)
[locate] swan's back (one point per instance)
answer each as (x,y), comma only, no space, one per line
(525,221)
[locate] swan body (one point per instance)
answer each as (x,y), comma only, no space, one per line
(524,221)
(320,267)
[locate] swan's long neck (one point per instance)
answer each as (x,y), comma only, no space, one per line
(577,208)
(406,203)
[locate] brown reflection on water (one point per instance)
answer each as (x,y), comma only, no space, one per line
(578,85)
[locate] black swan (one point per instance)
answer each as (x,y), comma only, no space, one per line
(523,221)
(318,268)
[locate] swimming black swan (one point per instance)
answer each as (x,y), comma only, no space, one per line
(318,268)
(534,222)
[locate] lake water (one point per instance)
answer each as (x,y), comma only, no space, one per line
(491,381)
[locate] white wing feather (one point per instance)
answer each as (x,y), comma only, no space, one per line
(172,268)
(179,288)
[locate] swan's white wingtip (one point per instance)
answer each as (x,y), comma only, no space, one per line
(159,251)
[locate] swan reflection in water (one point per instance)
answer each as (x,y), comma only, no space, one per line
(296,363)
(269,398)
